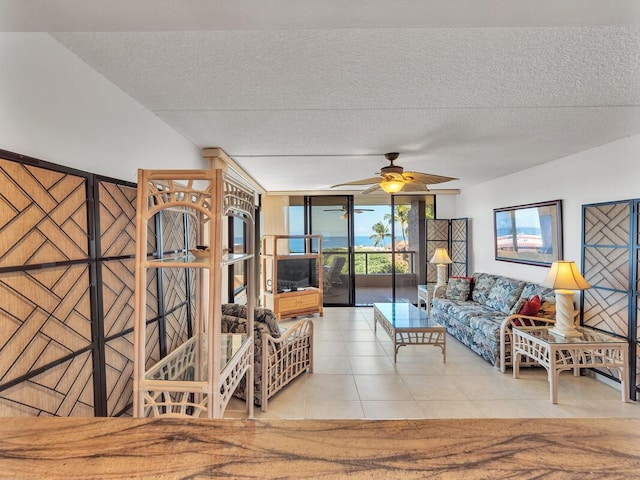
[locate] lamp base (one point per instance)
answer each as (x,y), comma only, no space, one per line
(564,326)
(442,275)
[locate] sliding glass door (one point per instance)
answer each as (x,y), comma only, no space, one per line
(330,217)
(373,248)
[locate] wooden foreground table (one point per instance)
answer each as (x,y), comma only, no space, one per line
(115,448)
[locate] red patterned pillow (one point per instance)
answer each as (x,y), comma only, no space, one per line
(532,307)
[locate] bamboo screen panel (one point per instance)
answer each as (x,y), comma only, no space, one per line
(43,216)
(459,247)
(64,389)
(117,219)
(173,231)
(608,267)
(437,237)
(46,356)
(50,345)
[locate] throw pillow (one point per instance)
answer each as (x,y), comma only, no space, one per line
(459,288)
(532,307)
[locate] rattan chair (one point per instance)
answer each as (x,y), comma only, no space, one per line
(279,357)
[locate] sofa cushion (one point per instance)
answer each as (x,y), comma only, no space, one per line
(459,288)
(547,297)
(482,283)
(531,306)
(264,319)
(504,294)
(489,325)
(462,311)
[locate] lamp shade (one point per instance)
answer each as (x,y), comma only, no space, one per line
(564,275)
(392,185)
(440,256)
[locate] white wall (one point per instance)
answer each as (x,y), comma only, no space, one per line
(54,107)
(605,173)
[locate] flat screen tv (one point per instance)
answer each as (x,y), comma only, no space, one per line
(296,273)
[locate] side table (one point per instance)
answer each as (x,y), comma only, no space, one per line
(556,353)
(425,293)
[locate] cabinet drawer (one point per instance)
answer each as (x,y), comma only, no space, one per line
(306,301)
(290,303)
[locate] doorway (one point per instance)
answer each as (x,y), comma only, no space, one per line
(373,246)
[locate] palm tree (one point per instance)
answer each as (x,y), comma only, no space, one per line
(381,231)
(401,215)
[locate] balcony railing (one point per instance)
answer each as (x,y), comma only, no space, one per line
(369,262)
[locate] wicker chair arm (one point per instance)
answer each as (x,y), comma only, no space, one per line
(299,330)
(507,326)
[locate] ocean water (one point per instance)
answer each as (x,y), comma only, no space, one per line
(341,242)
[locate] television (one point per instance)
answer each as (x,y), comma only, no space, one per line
(297,273)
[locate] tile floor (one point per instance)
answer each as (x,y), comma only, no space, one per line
(355,378)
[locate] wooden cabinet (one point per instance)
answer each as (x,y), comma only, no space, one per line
(203,367)
(292,274)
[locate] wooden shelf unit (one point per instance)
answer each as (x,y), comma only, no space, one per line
(198,377)
(292,281)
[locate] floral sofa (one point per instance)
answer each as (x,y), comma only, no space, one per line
(480,311)
(279,356)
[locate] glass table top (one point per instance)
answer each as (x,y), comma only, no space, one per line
(405,315)
(587,336)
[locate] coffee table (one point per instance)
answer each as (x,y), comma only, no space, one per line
(408,325)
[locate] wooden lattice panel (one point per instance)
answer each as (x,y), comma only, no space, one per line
(43,215)
(607,224)
(174,285)
(607,267)
(152,346)
(117,219)
(606,310)
(176,327)
(118,295)
(458,248)
(437,237)
(172,230)
(64,390)
(44,317)
(119,373)
(459,230)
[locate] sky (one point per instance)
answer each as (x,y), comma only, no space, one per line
(332,224)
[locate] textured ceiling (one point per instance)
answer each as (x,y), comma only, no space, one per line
(306,94)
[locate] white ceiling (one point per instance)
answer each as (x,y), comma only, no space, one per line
(304,94)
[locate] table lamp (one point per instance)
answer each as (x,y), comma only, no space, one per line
(564,277)
(441,258)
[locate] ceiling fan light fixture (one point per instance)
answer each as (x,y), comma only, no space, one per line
(392,185)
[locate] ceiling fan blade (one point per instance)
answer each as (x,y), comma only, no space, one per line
(366,181)
(371,189)
(360,210)
(426,178)
(334,209)
(415,187)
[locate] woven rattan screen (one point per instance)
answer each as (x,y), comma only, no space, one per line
(610,265)
(67,245)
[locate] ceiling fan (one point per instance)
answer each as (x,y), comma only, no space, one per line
(393,179)
(344,211)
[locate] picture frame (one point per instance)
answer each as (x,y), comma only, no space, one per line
(530,233)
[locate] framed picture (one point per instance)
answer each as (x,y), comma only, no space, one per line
(529,233)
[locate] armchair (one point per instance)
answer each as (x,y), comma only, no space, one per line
(278,357)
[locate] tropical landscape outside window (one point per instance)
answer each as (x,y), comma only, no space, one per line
(372,245)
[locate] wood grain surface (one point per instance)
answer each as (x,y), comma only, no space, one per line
(114,448)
